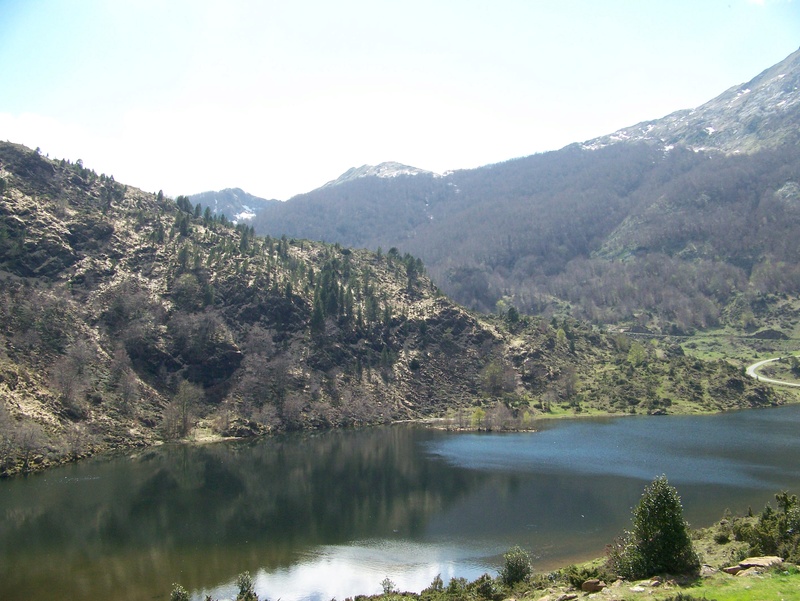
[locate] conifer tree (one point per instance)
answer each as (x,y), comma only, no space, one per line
(317,316)
(659,542)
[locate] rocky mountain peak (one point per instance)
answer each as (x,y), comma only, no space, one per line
(388,169)
(761,113)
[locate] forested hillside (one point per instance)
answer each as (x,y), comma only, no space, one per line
(127,318)
(660,228)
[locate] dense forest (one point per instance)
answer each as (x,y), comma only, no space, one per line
(615,233)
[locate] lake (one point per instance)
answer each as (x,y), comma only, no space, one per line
(317,516)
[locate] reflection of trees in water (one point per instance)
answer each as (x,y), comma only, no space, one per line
(200,515)
(207,513)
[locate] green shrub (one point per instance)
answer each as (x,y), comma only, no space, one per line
(486,588)
(742,531)
(436,585)
(388,586)
(576,576)
(516,567)
(775,532)
(179,593)
(659,542)
(456,586)
(246,587)
(722,537)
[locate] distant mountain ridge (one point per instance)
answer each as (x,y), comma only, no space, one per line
(682,192)
(236,204)
(761,113)
(383,170)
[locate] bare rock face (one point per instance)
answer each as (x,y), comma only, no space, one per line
(34,242)
(761,562)
(753,565)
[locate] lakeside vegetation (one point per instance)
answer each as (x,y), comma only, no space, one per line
(660,558)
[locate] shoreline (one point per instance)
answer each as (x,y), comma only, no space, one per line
(40,463)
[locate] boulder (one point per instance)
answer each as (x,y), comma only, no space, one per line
(753,565)
(761,562)
(593,585)
(750,572)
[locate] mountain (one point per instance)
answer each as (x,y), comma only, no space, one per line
(366,207)
(127,319)
(761,113)
(599,229)
(236,204)
(384,170)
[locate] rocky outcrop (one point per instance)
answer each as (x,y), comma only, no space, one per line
(593,585)
(33,243)
(753,565)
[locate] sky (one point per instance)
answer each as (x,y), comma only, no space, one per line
(278,98)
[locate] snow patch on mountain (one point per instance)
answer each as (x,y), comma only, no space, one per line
(388,169)
(745,118)
(236,204)
(246,214)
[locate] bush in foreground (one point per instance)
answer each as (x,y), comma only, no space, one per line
(775,532)
(517,566)
(659,542)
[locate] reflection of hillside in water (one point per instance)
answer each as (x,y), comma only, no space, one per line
(357,506)
(202,514)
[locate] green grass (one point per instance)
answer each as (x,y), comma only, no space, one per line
(782,584)
(766,587)
(779,585)
(736,348)
(780,370)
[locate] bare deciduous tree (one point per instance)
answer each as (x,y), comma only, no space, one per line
(68,383)
(77,439)
(128,390)
(178,416)
(7,438)
(30,440)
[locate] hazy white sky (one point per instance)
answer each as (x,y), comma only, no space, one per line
(279,97)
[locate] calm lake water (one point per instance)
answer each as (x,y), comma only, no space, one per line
(333,514)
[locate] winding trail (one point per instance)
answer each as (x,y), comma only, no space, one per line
(752,371)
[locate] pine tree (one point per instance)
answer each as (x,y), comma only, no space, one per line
(659,542)
(317,316)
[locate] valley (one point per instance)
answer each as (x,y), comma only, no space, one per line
(651,274)
(130,319)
